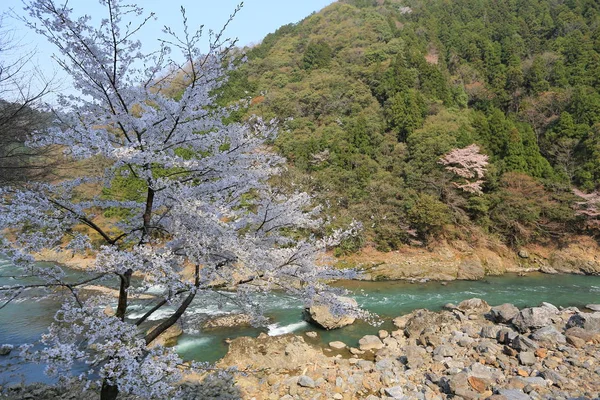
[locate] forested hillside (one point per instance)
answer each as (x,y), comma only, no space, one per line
(371,94)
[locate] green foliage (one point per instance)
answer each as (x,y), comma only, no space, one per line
(317,55)
(370,97)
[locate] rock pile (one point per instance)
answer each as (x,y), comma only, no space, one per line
(471,351)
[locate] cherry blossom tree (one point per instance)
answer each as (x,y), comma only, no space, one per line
(469,165)
(203,216)
(588,207)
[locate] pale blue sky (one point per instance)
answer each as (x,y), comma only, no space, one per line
(256,19)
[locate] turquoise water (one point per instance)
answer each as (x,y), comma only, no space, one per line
(24,321)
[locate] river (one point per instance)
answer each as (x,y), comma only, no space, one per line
(23,321)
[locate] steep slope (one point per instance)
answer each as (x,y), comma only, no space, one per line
(371,94)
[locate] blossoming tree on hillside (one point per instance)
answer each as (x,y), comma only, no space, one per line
(469,165)
(198,214)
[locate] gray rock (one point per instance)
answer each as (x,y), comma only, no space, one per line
(5,349)
(550,306)
(337,345)
(306,381)
(395,392)
(420,320)
(414,356)
(523,343)
(490,331)
(474,305)
(370,342)
(533,318)
(553,376)
(593,307)
(513,394)
(444,351)
(523,253)
(535,381)
(527,358)
(589,322)
(312,334)
(506,336)
(481,371)
(504,313)
(321,315)
(549,334)
(546,269)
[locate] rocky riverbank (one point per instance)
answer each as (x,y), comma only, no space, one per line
(467,351)
(448,261)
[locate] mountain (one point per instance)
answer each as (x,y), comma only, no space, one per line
(372,94)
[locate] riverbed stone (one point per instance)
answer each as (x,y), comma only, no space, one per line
(337,345)
(504,313)
(306,381)
(513,394)
(523,343)
(370,342)
(474,305)
(527,358)
(593,307)
(322,316)
(549,334)
(5,349)
(533,318)
(589,322)
(395,392)
(444,351)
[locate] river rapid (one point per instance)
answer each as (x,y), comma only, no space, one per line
(24,320)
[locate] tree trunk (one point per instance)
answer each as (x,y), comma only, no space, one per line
(108,392)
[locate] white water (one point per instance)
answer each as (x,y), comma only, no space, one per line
(186,344)
(276,330)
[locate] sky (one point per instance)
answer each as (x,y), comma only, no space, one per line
(256,19)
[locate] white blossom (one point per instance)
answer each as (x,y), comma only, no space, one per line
(206,219)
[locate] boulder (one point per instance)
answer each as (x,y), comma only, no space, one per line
(370,342)
(589,322)
(593,307)
(587,336)
(5,349)
(549,334)
(421,320)
(337,345)
(523,343)
(527,358)
(474,305)
(533,318)
(169,337)
(414,357)
(400,322)
(227,321)
(322,316)
(504,313)
(265,352)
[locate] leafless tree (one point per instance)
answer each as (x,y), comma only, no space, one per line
(22,88)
